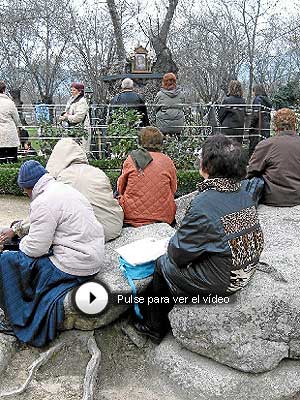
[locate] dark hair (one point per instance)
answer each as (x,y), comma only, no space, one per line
(259,90)
(223,158)
(235,89)
(2,87)
(151,138)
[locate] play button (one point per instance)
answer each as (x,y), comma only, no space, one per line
(91,298)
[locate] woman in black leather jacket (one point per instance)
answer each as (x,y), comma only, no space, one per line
(217,247)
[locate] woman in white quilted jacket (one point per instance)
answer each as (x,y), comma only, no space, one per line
(9,121)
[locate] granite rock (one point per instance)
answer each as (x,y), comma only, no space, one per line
(8,346)
(205,379)
(111,276)
(261,324)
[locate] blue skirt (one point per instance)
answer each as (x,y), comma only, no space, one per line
(32,292)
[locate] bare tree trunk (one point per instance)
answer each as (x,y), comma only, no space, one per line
(117,30)
(165,62)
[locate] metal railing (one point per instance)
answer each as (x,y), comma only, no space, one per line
(201,121)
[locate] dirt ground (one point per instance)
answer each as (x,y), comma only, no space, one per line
(13,208)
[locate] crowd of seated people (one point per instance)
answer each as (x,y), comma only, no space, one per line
(73,213)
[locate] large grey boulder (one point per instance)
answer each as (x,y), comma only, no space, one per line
(111,276)
(261,324)
(205,379)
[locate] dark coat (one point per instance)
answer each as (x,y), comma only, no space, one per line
(218,245)
(277,161)
(261,116)
(260,121)
(232,116)
(131,100)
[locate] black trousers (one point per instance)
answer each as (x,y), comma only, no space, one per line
(156,308)
(8,155)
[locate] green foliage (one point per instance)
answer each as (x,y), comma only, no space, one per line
(123,132)
(187,180)
(8,181)
(182,151)
(107,163)
(287,95)
(55,133)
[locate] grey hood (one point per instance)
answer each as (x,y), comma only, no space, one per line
(173,92)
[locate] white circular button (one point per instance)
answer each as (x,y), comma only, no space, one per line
(91,298)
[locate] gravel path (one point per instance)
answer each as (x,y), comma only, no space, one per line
(13,208)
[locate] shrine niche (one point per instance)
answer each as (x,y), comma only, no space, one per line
(140,61)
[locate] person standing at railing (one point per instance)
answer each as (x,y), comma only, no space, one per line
(77,113)
(232,112)
(9,121)
(169,103)
(130,100)
(261,117)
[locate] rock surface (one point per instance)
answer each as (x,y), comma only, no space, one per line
(261,325)
(205,379)
(7,347)
(113,278)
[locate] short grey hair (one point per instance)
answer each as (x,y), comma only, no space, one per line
(127,83)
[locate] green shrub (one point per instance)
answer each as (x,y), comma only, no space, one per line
(124,127)
(8,181)
(187,180)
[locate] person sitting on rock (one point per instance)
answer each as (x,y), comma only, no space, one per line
(68,164)
(218,245)
(276,160)
(64,248)
(148,182)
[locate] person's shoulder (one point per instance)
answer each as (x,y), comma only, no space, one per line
(161,156)
(265,144)
(7,101)
(82,100)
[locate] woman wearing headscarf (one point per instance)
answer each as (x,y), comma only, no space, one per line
(232,112)
(9,121)
(169,103)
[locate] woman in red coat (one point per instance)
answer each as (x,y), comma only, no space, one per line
(148,182)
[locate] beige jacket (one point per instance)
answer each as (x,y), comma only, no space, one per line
(61,218)
(68,164)
(9,120)
(78,111)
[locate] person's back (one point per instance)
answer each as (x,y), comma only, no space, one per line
(147,192)
(68,164)
(63,215)
(232,112)
(277,161)
(9,120)
(169,103)
(130,100)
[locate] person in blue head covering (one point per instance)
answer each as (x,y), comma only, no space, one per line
(64,248)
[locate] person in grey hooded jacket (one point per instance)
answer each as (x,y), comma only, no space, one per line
(169,106)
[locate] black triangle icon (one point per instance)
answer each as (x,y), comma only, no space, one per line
(92,298)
